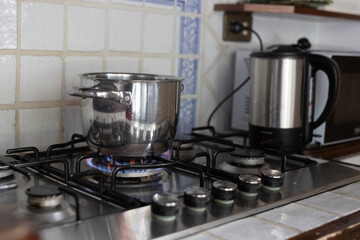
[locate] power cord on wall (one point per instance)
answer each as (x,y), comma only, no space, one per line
(236,28)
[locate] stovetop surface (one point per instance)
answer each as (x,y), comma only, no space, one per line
(140,224)
(114,208)
(15,200)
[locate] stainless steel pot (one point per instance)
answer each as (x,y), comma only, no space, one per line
(125,114)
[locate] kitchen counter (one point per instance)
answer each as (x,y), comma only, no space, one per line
(298,217)
(292,219)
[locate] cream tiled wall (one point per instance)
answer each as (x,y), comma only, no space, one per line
(45,44)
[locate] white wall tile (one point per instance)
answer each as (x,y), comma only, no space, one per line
(219,82)
(72,122)
(124,30)
(8,79)
(340,35)
(158,33)
(207,104)
(251,228)
(200,236)
(208,6)
(334,203)
(122,64)
(42,26)
(40,127)
(157,66)
(7,130)
(306,218)
(209,42)
(86,29)
(283,29)
(350,190)
(8,24)
(40,78)
(79,65)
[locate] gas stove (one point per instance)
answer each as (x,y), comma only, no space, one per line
(207,179)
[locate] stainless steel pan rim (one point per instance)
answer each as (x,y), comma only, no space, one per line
(125,77)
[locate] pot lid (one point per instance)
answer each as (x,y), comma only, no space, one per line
(281,52)
(124,77)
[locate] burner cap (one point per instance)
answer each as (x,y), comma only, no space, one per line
(43,191)
(248,157)
(46,196)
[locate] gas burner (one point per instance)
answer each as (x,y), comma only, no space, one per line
(9,180)
(108,164)
(45,206)
(238,169)
(47,196)
(248,157)
(6,173)
(245,161)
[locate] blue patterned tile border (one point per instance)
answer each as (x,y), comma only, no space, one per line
(193,6)
(187,119)
(188,69)
(189,38)
(162,2)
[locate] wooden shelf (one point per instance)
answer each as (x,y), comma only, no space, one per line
(289,9)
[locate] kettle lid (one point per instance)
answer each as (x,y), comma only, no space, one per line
(282,51)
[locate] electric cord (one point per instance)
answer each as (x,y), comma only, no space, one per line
(235,27)
(225,99)
(257,35)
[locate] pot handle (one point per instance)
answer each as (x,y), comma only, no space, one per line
(118,96)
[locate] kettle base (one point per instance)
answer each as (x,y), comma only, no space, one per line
(288,140)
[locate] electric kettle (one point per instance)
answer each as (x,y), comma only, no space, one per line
(281,96)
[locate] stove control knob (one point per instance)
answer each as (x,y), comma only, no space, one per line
(196,198)
(165,206)
(249,184)
(224,191)
(272,179)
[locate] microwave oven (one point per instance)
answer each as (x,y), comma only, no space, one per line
(342,125)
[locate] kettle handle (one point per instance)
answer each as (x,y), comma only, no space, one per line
(331,69)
